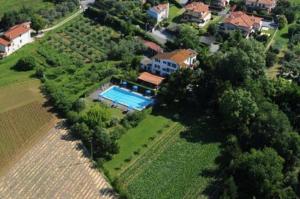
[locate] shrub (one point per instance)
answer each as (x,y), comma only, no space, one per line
(25,64)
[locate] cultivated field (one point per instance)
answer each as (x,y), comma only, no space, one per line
(56,167)
(23,119)
(81,40)
(166,161)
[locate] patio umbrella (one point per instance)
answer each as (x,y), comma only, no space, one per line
(148,92)
(135,88)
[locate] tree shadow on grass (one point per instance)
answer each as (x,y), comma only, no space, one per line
(214,187)
(106,192)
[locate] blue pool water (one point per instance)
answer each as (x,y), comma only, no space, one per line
(126,97)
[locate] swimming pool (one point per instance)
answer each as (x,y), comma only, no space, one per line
(126,97)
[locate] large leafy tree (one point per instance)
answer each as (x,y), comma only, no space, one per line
(187,37)
(237,107)
(246,60)
(259,174)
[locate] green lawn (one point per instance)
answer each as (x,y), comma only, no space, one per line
(133,141)
(7,74)
(7,5)
(175,167)
(174,12)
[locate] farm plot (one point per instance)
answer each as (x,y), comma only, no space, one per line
(56,167)
(173,168)
(23,119)
(83,40)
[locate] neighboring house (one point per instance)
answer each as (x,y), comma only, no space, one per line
(159,12)
(241,21)
(267,5)
(220,3)
(182,2)
(15,38)
(164,64)
(152,48)
(197,12)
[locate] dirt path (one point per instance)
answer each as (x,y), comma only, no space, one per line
(56,167)
(63,22)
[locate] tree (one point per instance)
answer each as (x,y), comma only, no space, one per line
(270,58)
(175,89)
(269,125)
(245,60)
(97,116)
(237,107)
(230,189)
(103,144)
(282,21)
(25,64)
(212,29)
(258,173)
(37,22)
(187,37)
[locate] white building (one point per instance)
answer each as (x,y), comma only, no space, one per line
(15,38)
(159,12)
(247,24)
(267,5)
(197,12)
(164,64)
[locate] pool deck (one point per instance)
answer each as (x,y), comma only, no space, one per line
(95,97)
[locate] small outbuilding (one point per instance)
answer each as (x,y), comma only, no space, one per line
(151,80)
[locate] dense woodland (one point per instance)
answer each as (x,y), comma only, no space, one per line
(258,117)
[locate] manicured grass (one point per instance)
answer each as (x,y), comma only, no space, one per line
(7,5)
(133,141)
(175,167)
(7,74)
(174,12)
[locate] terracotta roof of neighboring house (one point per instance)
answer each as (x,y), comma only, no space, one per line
(4,42)
(178,56)
(153,46)
(197,7)
(160,7)
(150,78)
(242,19)
(16,31)
(266,2)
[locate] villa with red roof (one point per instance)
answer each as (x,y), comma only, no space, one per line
(267,5)
(164,64)
(15,38)
(247,24)
(159,12)
(197,12)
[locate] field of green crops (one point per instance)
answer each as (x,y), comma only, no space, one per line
(172,165)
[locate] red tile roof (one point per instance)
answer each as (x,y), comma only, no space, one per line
(4,42)
(150,78)
(265,2)
(161,7)
(197,7)
(16,31)
(153,46)
(178,56)
(242,19)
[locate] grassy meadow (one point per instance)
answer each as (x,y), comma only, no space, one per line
(7,5)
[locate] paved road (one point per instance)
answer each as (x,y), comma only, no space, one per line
(56,167)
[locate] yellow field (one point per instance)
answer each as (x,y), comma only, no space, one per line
(23,119)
